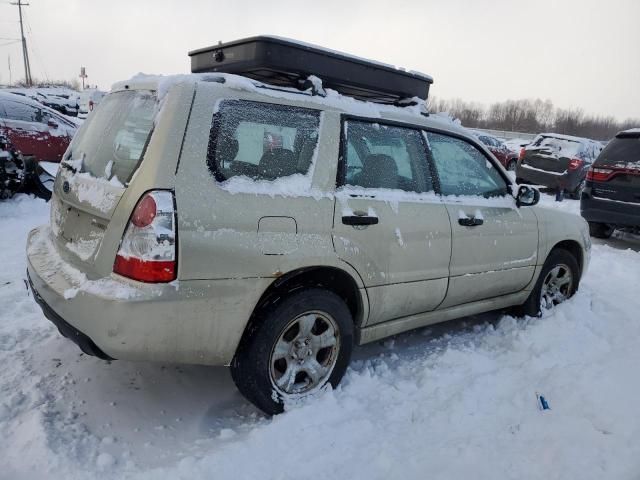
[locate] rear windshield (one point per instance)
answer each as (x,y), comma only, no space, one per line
(562,147)
(111,142)
(621,152)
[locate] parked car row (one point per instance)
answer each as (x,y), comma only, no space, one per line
(62,99)
(606,179)
(557,161)
(34,129)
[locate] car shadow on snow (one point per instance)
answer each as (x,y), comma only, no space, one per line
(621,241)
(158,393)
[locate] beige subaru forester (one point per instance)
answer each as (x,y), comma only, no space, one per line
(206,219)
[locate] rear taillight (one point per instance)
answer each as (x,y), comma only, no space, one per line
(575,163)
(522,152)
(599,174)
(147,251)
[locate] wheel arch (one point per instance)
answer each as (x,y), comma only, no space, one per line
(332,278)
(574,248)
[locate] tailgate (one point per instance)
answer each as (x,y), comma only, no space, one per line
(623,187)
(552,153)
(545,160)
(96,171)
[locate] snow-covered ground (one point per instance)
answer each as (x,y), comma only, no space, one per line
(453,401)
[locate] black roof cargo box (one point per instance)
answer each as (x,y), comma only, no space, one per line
(289,63)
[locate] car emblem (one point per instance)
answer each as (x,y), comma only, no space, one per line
(65,187)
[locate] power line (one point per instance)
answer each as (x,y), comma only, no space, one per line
(36,51)
(25,53)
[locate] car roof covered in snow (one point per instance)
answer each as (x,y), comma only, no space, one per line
(333,100)
(19,97)
(570,138)
(631,133)
(28,101)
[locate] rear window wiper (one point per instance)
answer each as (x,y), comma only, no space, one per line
(74,166)
(68,167)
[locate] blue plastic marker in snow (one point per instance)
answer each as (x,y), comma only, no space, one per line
(544,405)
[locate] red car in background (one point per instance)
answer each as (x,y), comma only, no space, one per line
(507,157)
(34,129)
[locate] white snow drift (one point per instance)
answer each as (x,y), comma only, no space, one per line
(453,401)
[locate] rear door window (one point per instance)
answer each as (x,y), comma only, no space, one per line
(262,141)
(111,143)
(463,169)
(385,156)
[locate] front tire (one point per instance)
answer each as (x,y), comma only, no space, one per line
(293,349)
(558,281)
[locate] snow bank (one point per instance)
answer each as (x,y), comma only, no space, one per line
(451,401)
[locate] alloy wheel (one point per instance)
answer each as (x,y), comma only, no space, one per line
(556,287)
(305,353)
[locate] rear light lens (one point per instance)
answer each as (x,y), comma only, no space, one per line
(147,251)
(575,163)
(145,212)
(599,174)
(522,152)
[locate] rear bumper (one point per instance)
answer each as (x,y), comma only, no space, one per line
(194,321)
(611,212)
(67,330)
(568,180)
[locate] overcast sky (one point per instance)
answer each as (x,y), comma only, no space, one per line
(578,53)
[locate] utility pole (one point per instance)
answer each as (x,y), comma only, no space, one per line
(9,61)
(25,54)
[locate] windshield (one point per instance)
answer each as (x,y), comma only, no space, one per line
(111,143)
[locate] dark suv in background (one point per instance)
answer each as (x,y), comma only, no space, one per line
(611,198)
(557,161)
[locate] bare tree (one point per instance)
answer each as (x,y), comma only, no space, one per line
(532,116)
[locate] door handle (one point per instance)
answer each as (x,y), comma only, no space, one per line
(359,219)
(470,221)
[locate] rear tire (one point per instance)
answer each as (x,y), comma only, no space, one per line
(558,281)
(600,230)
(511,166)
(293,349)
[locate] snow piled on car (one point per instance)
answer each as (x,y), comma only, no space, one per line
(457,400)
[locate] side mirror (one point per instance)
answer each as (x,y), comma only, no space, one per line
(527,196)
(52,123)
